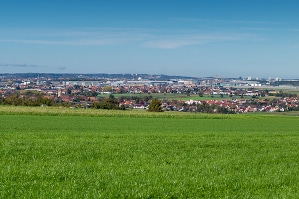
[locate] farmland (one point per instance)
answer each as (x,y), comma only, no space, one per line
(70,153)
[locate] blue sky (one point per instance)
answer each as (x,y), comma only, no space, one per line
(227,38)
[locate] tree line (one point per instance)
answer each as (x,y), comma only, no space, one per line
(17,100)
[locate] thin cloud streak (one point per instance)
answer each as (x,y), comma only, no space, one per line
(19,65)
(170,44)
(228,21)
(24,66)
(145,38)
(95,42)
(89,37)
(186,40)
(62,68)
(258,29)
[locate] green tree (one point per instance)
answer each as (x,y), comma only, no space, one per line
(69,91)
(155,106)
(108,103)
(200,94)
(107,89)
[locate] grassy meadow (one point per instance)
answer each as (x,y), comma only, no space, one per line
(76,153)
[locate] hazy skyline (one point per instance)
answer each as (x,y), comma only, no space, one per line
(258,38)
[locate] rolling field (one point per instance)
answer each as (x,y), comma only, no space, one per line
(58,153)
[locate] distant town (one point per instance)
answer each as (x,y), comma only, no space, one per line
(135,91)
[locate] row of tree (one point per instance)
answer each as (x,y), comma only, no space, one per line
(213,108)
(110,103)
(16,100)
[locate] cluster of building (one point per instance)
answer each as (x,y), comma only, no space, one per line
(237,105)
(235,95)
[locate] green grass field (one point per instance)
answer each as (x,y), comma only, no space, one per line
(59,153)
